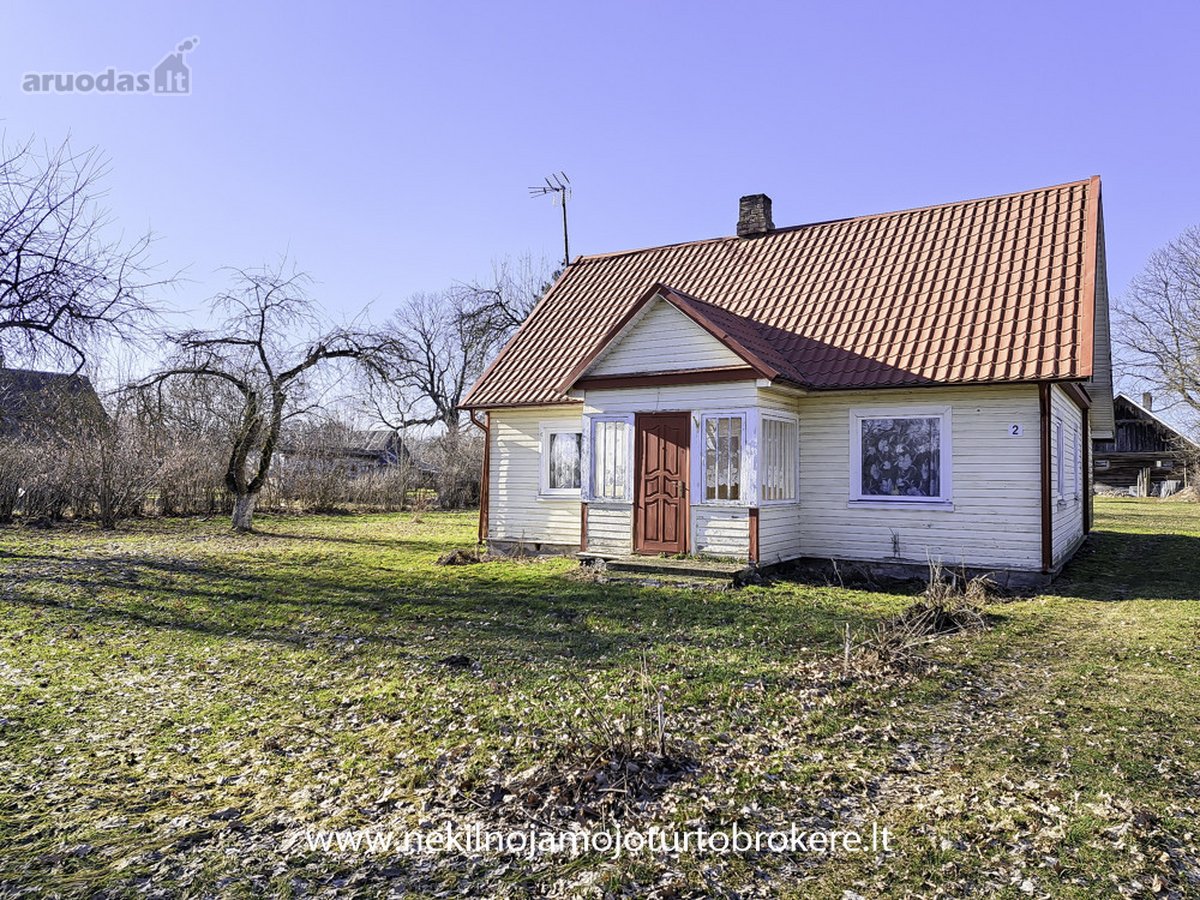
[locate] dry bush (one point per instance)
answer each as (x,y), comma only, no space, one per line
(191,478)
(18,463)
(329,465)
(385,489)
(616,759)
(951,603)
(453,462)
(113,470)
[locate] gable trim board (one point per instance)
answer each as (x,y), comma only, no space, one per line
(677,376)
(1091,240)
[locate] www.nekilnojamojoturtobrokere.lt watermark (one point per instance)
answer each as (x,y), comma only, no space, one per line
(171,77)
(615,842)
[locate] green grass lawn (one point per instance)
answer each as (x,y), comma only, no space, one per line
(177,703)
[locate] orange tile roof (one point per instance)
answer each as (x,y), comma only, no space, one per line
(983,291)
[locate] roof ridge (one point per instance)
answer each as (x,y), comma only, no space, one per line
(594,257)
(1153,415)
(41,372)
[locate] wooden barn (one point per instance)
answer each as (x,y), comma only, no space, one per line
(1145,456)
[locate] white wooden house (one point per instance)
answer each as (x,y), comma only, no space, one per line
(887,389)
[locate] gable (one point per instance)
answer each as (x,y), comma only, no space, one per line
(663,339)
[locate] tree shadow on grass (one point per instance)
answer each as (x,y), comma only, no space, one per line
(502,610)
(1121,565)
(398,542)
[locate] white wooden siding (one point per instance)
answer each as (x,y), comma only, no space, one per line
(516,511)
(663,339)
(779,534)
(695,398)
(1066,513)
(721,531)
(995,516)
(610,528)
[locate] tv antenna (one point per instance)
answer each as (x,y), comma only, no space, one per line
(560,186)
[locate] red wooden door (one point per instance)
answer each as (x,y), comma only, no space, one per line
(660,511)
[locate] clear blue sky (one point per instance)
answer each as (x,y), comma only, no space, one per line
(388,147)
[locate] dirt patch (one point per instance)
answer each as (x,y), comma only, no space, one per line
(464,557)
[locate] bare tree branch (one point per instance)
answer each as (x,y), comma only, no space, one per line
(1158,321)
(65,283)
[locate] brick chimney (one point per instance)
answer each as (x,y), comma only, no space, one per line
(754,215)
(1148,401)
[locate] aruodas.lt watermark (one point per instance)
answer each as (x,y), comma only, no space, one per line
(171,77)
(615,842)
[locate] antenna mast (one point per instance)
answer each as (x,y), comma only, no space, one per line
(560,186)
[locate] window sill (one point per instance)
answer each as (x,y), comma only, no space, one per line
(872,503)
(609,503)
(558,495)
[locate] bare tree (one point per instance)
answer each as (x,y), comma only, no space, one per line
(498,307)
(64,282)
(434,354)
(441,342)
(265,353)
(1158,321)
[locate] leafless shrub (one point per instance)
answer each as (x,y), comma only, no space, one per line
(951,603)
(453,462)
(617,757)
(113,468)
(328,464)
(18,465)
(387,489)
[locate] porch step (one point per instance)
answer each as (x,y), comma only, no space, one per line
(669,567)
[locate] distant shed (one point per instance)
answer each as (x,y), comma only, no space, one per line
(36,404)
(1145,453)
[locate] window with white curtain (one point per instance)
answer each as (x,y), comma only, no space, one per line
(561,454)
(723,436)
(610,459)
(780,446)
